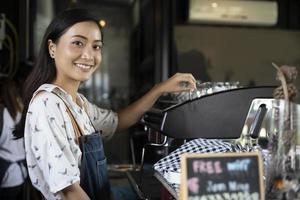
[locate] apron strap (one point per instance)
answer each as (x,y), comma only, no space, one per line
(78,131)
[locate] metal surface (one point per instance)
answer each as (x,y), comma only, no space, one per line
(271,123)
(221,115)
(254,131)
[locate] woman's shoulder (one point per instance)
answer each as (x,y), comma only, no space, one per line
(45,93)
(44,100)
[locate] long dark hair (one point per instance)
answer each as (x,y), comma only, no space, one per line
(9,96)
(44,70)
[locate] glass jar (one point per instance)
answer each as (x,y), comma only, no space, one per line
(283,170)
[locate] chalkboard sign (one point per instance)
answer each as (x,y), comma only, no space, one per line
(229,176)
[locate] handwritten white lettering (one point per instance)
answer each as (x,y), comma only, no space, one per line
(215,187)
(239,165)
(235,186)
(227,196)
(209,167)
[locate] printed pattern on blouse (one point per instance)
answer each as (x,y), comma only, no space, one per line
(52,155)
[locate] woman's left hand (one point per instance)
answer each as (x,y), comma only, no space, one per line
(178,83)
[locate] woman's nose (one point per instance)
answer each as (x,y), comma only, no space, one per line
(87,53)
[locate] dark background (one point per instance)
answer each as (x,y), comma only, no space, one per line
(142,49)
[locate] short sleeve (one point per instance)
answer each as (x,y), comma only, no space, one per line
(103,119)
(50,147)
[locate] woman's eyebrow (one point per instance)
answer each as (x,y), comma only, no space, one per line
(80,36)
(85,38)
(98,41)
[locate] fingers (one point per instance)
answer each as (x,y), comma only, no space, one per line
(187,81)
(179,82)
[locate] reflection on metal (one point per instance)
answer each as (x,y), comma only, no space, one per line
(269,125)
(255,126)
(203,89)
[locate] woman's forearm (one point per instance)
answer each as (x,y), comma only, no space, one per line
(132,113)
(74,192)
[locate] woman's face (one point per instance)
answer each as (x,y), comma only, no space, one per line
(77,53)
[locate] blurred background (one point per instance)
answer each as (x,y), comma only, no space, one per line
(147,41)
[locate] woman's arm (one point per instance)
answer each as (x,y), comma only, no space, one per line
(132,113)
(74,192)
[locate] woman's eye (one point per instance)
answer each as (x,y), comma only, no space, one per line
(98,47)
(78,43)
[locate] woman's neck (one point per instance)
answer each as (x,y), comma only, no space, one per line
(70,87)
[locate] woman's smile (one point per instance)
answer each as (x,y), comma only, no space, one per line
(84,67)
(78,52)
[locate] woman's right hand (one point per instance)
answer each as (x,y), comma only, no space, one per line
(178,83)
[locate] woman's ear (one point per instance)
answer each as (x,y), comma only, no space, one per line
(51,48)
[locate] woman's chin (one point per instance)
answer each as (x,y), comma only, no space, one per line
(82,79)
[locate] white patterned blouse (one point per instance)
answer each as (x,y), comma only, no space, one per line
(52,155)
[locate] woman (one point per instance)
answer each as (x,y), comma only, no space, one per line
(56,117)
(12,154)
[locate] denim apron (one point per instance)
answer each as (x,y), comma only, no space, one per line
(93,170)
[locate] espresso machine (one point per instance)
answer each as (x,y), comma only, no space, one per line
(218,110)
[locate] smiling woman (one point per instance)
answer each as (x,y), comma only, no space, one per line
(63,131)
(77,54)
